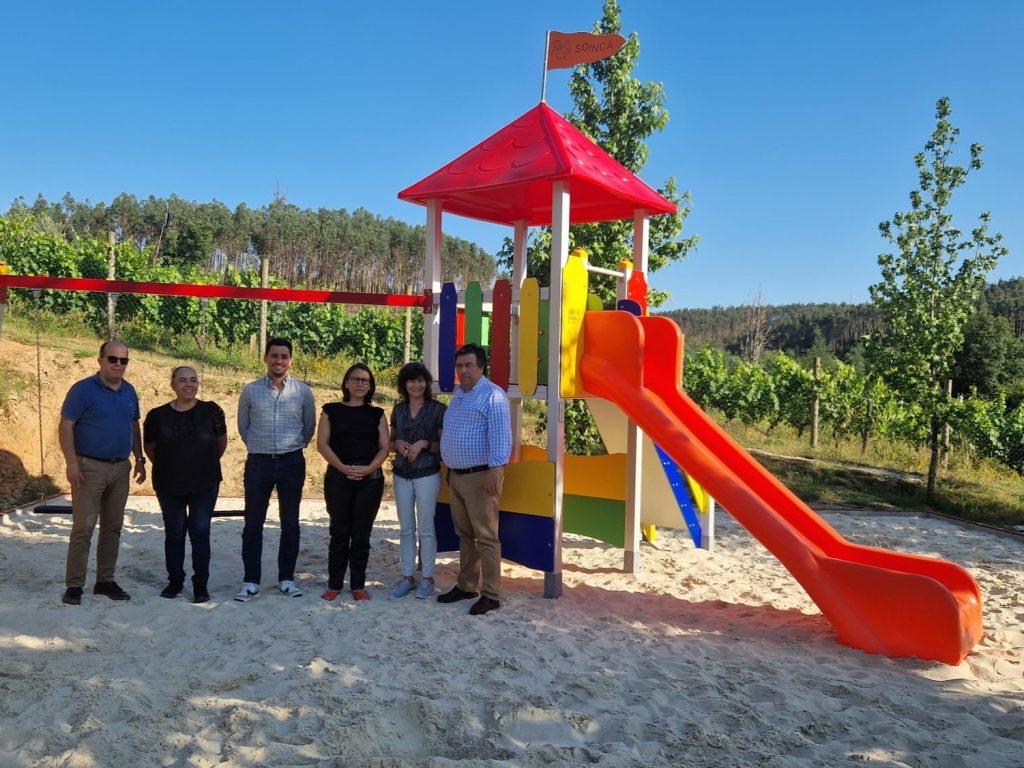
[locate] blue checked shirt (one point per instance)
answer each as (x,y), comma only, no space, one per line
(477,429)
(276,421)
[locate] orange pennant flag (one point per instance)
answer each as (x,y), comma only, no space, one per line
(567,49)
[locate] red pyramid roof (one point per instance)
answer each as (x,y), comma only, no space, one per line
(508,177)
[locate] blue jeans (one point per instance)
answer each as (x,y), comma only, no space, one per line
(262,474)
(416,500)
(191,512)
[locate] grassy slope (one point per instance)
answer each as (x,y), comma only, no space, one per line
(886,476)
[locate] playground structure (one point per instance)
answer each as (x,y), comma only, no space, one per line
(540,171)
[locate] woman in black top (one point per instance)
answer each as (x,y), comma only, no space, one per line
(353,436)
(184,440)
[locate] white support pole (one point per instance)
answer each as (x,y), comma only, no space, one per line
(634,439)
(432,281)
(707,528)
(519,240)
(556,406)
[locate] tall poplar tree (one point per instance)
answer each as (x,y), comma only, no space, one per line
(619,113)
(930,287)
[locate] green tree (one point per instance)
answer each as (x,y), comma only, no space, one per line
(990,357)
(619,113)
(930,286)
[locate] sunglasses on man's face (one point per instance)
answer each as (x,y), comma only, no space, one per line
(115,360)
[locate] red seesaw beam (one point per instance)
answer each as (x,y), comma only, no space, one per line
(94,285)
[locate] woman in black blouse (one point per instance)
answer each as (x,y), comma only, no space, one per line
(353,436)
(184,440)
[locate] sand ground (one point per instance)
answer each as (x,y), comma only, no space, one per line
(701,659)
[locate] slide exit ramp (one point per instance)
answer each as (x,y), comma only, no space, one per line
(877,600)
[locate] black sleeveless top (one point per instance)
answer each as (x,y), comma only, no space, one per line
(355,433)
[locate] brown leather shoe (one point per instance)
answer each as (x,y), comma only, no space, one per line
(455,594)
(72,596)
(483,605)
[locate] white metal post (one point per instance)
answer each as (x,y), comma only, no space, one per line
(707,529)
(519,241)
(634,439)
(556,406)
(432,280)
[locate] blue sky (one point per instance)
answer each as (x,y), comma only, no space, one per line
(793,124)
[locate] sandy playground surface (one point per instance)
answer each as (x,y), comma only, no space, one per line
(703,659)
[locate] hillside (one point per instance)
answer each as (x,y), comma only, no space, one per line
(835,328)
(20,475)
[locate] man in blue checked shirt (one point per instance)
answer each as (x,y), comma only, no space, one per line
(276,419)
(476,443)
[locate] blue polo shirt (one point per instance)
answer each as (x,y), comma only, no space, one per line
(103,417)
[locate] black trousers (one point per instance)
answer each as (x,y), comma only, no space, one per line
(352,506)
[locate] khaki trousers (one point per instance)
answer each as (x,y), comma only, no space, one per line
(101,497)
(475,516)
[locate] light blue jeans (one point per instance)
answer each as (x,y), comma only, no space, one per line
(415,500)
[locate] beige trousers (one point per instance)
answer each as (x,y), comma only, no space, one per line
(475,516)
(101,497)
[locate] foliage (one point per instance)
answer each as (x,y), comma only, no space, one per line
(619,113)
(581,442)
(929,288)
(704,377)
(375,335)
(801,330)
(836,331)
(752,396)
(991,358)
(329,249)
(794,388)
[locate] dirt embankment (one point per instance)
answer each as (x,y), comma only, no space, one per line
(25,476)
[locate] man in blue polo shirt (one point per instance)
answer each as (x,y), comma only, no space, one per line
(99,430)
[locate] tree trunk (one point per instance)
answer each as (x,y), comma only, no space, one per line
(866,436)
(816,405)
(933,465)
(946,429)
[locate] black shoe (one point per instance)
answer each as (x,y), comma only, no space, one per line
(483,605)
(455,594)
(72,596)
(200,594)
(173,589)
(111,590)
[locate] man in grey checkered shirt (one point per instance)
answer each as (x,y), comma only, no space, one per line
(276,419)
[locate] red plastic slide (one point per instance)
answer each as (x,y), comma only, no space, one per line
(877,600)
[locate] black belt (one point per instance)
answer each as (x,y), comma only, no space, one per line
(470,470)
(275,455)
(105,461)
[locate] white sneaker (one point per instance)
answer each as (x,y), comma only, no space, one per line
(289,588)
(247,592)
